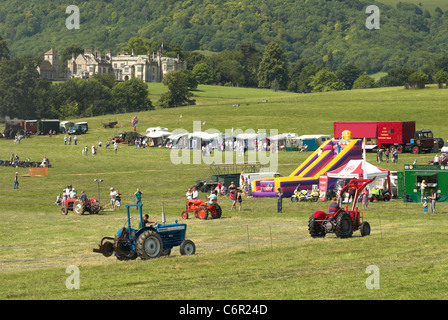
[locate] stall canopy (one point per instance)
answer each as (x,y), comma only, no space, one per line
(355,169)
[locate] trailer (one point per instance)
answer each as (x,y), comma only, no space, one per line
(400,135)
(47,125)
(21,127)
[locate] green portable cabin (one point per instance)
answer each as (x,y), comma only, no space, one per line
(435,176)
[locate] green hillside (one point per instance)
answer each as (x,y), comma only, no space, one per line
(408,36)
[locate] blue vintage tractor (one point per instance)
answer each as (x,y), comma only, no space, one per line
(146,242)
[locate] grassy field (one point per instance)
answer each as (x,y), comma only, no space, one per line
(253,254)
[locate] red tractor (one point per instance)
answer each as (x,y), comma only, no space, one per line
(343,222)
(201,209)
(80,206)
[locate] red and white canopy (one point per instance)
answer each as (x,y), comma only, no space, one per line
(355,169)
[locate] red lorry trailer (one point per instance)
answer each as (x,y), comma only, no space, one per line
(386,134)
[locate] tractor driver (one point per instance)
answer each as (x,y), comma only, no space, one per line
(146,220)
(83,196)
(213,198)
(334,206)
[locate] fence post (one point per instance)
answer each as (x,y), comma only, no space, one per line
(248,238)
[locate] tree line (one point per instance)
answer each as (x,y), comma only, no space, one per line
(24,94)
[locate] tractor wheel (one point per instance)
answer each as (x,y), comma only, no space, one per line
(64,210)
(218,212)
(108,249)
(125,257)
(415,150)
(149,245)
(365,229)
(166,252)
(315,228)
(344,225)
(184,215)
(95,208)
(79,207)
(293,199)
(202,213)
(187,247)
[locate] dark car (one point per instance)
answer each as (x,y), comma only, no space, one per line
(76,130)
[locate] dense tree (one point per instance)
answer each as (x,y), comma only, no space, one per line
(326,80)
(273,67)
(131,96)
(441,77)
(19,81)
(4,51)
(364,82)
(202,72)
(250,62)
(178,93)
(417,79)
(348,75)
(398,76)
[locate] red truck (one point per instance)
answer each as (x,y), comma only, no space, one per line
(386,134)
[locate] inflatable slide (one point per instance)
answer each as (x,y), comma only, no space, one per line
(327,157)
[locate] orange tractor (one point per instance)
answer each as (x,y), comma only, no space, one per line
(202,209)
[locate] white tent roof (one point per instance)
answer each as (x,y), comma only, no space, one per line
(314,136)
(157,134)
(354,169)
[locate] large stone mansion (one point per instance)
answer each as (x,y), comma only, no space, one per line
(148,68)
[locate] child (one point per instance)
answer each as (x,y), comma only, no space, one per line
(425,205)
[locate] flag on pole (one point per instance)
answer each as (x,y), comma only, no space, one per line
(364,160)
(134,123)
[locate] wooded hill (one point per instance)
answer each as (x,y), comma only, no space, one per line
(409,34)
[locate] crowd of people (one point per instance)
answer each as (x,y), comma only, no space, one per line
(387,154)
(69,192)
(14,161)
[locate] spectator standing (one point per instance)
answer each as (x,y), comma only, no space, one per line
(433,199)
(195,193)
(112,195)
(386,153)
(16,181)
(423,185)
(279,200)
(189,194)
(118,200)
(138,197)
(75,139)
(116,146)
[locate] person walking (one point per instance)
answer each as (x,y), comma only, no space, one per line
(233,194)
(116,146)
(16,181)
(239,199)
